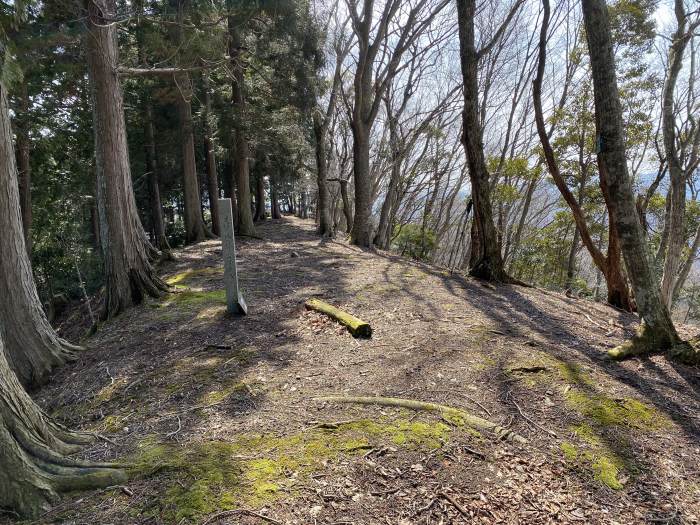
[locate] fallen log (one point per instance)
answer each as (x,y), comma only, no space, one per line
(357,327)
(451,414)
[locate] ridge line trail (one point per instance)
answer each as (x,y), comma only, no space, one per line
(181,373)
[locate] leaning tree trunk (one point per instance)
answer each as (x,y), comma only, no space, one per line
(245,214)
(610,265)
(657,332)
(32,347)
(33,453)
(489,263)
(129,275)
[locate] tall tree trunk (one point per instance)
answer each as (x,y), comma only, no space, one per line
(153,180)
(383,235)
(325,225)
(687,265)
(32,347)
(260,197)
(156,207)
(274,199)
(515,245)
(488,265)
(194,222)
(676,224)
(657,331)
(212,177)
(360,232)
(23,163)
(32,448)
(571,262)
(129,275)
(347,206)
(610,265)
(230,183)
(245,214)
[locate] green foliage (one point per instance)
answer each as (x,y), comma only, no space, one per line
(413,240)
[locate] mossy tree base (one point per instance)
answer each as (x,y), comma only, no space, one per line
(646,342)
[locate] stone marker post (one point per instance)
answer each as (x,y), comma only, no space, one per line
(234,300)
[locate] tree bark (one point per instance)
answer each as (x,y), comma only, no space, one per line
(245,214)
(129,275)
(156,207)
(325,225)
(194,222)
(657,332)
(212,177)
(153,179)
(360,232)
(676,224)
(260,197)
(487,263)
(32,347)
(610,265)
(274,199)
(24,167)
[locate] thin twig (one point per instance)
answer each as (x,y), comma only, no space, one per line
(179,427)
(533,423)
(456,505)
(240,511)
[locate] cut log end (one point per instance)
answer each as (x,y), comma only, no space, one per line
(357,327)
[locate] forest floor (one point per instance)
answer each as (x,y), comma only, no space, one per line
(218,413)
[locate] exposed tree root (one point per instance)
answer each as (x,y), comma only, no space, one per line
(450,413)
(34,462)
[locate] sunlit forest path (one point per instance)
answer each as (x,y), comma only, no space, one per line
(218,413)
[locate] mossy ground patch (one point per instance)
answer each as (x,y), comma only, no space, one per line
(254,470)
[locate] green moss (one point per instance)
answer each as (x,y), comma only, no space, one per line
(113,423)
(603,463)
(571,373)
(182,277)
(569,450)
(606,469)
(606,411)
(107,393)
(190,298)
(254,470)
(216,396)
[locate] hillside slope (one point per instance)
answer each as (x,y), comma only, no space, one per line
(218,413)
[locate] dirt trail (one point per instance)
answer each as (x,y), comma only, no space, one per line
(218,413)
